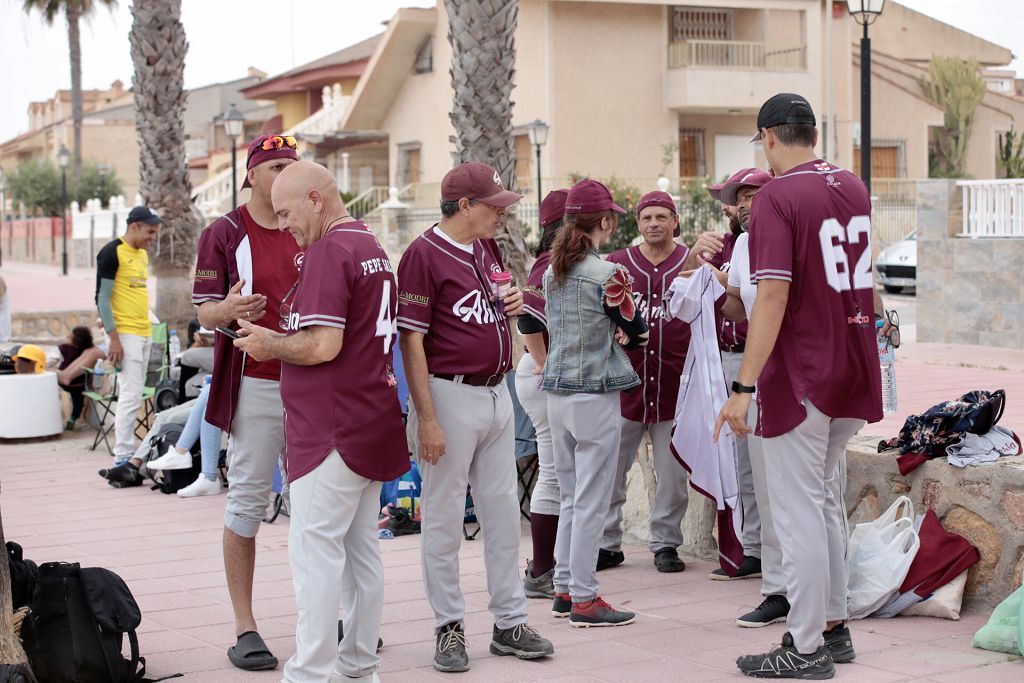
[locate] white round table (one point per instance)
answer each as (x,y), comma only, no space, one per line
(29,406)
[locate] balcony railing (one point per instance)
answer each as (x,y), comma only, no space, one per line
(993,208)
(734,54)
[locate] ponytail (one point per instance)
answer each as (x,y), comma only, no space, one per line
(573,241)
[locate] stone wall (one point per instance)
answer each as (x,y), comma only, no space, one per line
(49,327)
(983,504)
(969,290)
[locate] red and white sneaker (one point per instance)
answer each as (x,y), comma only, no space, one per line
(597,612)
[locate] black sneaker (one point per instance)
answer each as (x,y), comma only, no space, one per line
(840,644)
(402,524)
(609,558)
(341,634)
(786,662)
(450,651)
(124,476)
(521,641)
(562,606)
(772,610)
(667,561)
(750,568)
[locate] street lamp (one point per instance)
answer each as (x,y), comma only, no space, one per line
(865,12)
(62,159)
(234,124)
(537,131)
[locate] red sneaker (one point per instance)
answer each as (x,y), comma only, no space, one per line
(597,612)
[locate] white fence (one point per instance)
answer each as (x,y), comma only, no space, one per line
(993,208)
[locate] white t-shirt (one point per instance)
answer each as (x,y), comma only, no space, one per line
(739,273)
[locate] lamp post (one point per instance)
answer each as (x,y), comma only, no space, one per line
(62,159)
(865,12)
(3,208)
(537,131)
(234,124)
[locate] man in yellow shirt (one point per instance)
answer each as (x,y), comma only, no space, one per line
(122,269)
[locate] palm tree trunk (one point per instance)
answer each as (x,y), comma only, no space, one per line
(158,48)
(75,48)
(11,651)
(482,34)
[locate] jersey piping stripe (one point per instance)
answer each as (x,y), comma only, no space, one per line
(207,297)
(414,325)
(441,248)
(536,314)
(335,318)
(773,271)
(313,321)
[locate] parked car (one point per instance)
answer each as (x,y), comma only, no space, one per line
(897,265)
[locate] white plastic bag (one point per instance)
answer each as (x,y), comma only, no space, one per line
(881,553)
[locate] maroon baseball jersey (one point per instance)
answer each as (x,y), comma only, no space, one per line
(731,336)
(812,227)
(660,363)
(349,403)
(445,294)
(233,248)
(534,303)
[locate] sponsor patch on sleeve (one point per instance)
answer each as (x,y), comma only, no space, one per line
(413,299)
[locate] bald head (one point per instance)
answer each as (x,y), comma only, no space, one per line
(306,201)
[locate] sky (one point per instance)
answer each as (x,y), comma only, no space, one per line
(275,35)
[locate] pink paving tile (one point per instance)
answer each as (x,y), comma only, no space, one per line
(160,602)
(183,618)
(223,635)
(1002,672)
(920,629)
(594,656)
(927,660)
(154,642)
(664,668)
(679,641)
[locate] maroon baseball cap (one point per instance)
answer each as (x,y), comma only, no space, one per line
(268,147)
(473,180)
(552,209)
(719,187)
(715,190)
(590,196)
(753,178)
(657,198)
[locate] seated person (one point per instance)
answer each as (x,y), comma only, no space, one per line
(79,342)
(29,359)
(196,361)
(86,359)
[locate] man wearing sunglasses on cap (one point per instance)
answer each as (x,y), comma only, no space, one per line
(246,270)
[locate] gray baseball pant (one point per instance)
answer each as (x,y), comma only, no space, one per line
(545,499)
(806,490)
(585,442)
(335,561)
(745,478)
(257,439)
(480,452)
(773,581)
(670,494)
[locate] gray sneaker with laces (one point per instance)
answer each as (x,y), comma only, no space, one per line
(450,651)
(540,586)
(521,641)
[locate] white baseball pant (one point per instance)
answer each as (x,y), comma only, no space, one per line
(585,440)
(479,438)
(806,487)
(335,561)
(745,478)
(773,581)
(545,499)
(130,381)
(671,494)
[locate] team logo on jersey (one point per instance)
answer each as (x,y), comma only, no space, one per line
(858,318)
(831,181)
(474,307)
(298,260)
(823,166)
(647,311)
(390,378)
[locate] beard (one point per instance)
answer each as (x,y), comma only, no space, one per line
(734,226)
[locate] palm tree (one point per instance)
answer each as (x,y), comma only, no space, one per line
(158,49)
(11,651)
(74,11)
(482,34)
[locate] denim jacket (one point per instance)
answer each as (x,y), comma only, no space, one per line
(583,355)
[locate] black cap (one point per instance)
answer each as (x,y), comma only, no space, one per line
(786,107)
(144,214)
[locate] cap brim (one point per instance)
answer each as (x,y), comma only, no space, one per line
(501,199)
(618,209)
(153,220)
(245,183)
(716,191)
(756,137)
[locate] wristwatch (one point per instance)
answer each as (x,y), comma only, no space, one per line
(738,388)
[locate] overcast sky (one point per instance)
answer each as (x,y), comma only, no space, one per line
(275,35)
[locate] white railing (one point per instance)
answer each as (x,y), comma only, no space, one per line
(367,201)
(993,208)
(93,222)
(735,54)
(213,194)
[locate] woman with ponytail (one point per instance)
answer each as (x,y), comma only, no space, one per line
(545,501)
(591,316)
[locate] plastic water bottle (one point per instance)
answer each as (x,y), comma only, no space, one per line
(175,345)
(98,370)
(887,359)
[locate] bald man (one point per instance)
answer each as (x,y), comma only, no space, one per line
(336,378)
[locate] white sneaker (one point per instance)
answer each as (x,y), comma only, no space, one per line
(201,487)
(171,460)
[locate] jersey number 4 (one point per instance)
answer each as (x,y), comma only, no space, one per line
(834,237)
(387,326)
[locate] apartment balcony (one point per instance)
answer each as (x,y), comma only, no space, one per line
(717,75)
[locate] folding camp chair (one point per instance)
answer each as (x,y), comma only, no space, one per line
(102,405)
(157,370)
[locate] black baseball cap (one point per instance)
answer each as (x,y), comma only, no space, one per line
(144,214)
(786,107)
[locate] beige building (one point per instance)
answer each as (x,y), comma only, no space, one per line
(618,82)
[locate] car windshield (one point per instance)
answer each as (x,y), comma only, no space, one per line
(912,237)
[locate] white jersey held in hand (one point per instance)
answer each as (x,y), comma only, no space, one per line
(702,393)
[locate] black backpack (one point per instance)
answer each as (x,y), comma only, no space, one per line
(171,481)
(76,627)
(23,577)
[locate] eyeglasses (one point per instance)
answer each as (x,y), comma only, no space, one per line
(894,332)
(285,308)
(277,142)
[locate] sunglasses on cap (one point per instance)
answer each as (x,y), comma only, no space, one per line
(277,142)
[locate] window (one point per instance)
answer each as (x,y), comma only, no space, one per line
(408,164)
(888,159)
(700,23)
(424,58)
(691,153)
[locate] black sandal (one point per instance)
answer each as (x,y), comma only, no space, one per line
(667,561)
(250,653)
